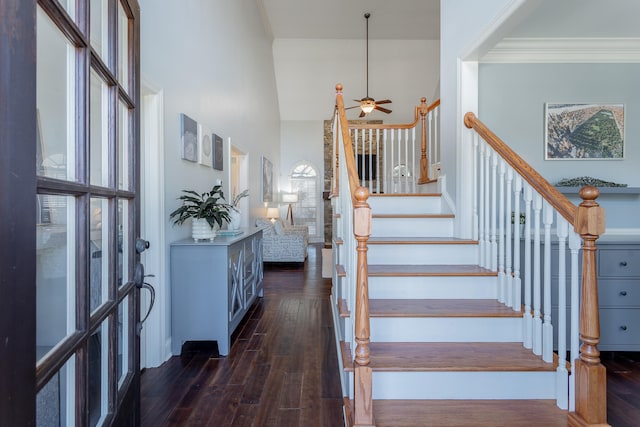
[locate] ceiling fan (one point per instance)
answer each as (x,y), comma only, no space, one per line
(368,104)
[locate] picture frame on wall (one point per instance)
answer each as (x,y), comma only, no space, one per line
(218,160)
(585,131)
(206,146)
(267,180)
(188,138)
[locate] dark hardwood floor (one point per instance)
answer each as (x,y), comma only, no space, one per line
(282,367)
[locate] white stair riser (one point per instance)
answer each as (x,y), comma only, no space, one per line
(433,287)
(464,385)
(416,254)
(449,329)
(412,227)
(405,205)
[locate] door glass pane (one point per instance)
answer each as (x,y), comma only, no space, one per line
(99,132)
(55,93)
(123,146)
(123,241)
(98,374)
(99,30)
(99,252)
(55,271)
(123,48)
(123,340)
(55,402)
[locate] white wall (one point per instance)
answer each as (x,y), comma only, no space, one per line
(213,61)
(307,72)
(512,98)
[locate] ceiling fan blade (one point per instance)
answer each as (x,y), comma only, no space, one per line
(384,110)
(384,101)
(362,114)
(355,106)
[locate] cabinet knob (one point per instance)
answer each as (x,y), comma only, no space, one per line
(623,263)
(623,327)
(623,293)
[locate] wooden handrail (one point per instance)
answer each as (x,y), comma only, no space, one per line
(588,220)
(542,186)
(363,377)
(423,108)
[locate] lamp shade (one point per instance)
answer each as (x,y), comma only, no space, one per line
(273,213)
(289,197)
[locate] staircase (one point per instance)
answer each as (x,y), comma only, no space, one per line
(438,330)
(444,351)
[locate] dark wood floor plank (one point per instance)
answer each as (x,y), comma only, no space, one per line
(299,382)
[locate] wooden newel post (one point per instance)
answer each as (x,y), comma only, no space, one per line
(363,400)
(591,378)
(336,140)
(423,110)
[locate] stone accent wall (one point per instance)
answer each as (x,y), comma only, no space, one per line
(328,158)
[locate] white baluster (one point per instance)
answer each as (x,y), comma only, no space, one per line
(392,162)
(517,286)
(413,160)
(370,161)
(494,213)
(435,141)
(537,280)
(562,230)
(406,161)
(385,173)
(487,206)
(399,161)
(508,239)
(547,327)
(575,242)
(377,161)
(430,142)
(502,296)
(481,202)
(528,276)
(475,186)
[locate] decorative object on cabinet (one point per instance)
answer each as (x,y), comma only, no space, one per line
(202,206)
(188,138)
(586,180)
(218,162)
(267,180)
(234,213)
(584,131)
(206,146)
(290,199)
(283,243)
(213,285)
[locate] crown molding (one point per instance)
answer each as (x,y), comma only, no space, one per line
(564,50)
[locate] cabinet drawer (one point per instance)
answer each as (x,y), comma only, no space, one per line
(619,263)
(619,293)
(619,326)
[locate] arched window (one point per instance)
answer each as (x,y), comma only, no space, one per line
(304,182)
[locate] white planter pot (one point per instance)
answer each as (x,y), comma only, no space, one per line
(201,230)
(235,219)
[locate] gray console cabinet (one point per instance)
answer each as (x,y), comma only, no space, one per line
(213,284)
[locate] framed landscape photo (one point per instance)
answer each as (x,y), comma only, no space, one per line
(584,131)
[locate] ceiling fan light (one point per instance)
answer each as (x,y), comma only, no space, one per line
(367,106)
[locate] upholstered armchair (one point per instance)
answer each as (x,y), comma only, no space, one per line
(282,243)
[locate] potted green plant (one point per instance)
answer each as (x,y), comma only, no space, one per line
(234,213)
(206,210)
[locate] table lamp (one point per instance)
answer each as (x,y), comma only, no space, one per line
(273,213)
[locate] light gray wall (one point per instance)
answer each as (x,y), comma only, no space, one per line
(214,63)
(511,103)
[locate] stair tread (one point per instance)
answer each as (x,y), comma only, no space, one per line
(440,308)
(340,270)
(343,308)
(451,357)
(464,413)
(420,241)
(405,216)
(383,195)
(382,270)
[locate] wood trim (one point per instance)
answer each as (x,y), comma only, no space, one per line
(17,212)
(541,185)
